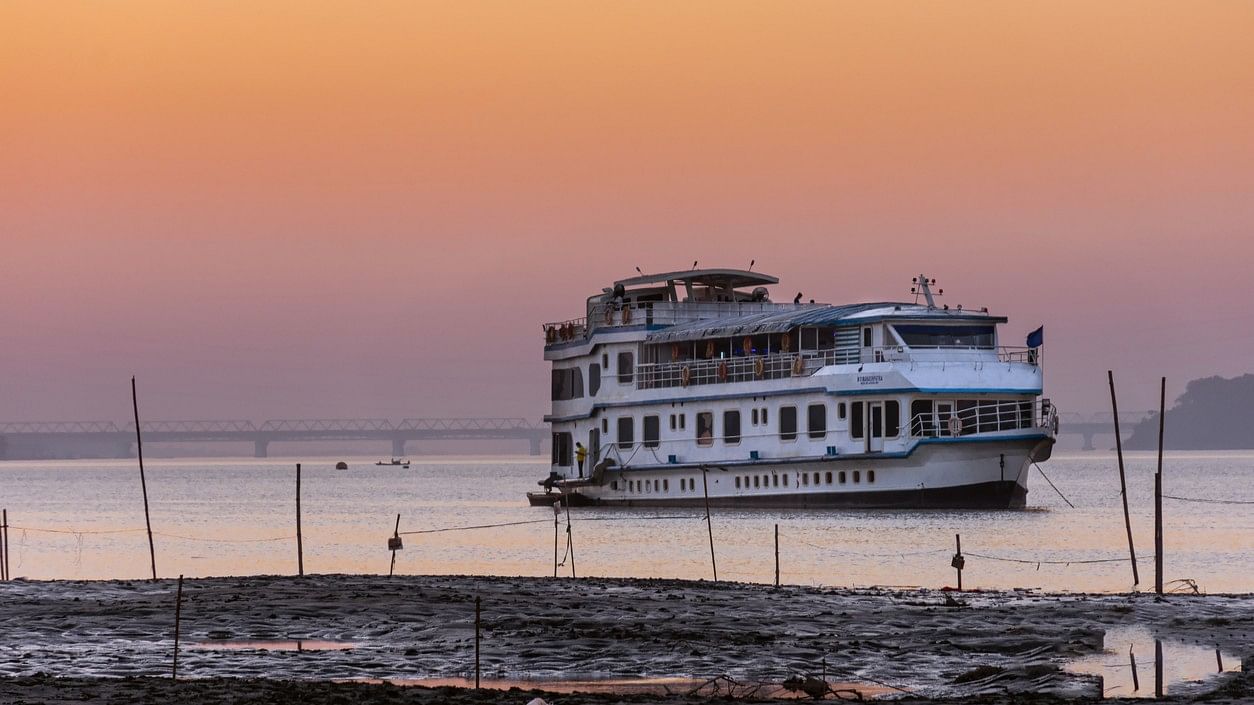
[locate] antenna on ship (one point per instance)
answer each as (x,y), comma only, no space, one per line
(923,285)
(751,262)
(694,264)
(639,272)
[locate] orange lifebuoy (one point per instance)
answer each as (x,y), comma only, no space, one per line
(685,376)
(626,315)
(759,368)
(550,335)
(709,348)
(785,343)
(747,345)
(674,351)
(722,371)
(798,366)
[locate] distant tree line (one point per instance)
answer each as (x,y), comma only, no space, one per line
(1214,413)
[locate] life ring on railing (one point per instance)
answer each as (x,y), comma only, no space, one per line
(747,345)
(674,351)
(722,371)
(955,426)
(759,368)
(550,335)
(709,348)
(785,343)
(609,315)
(798,366)
(685,376)
(626,315)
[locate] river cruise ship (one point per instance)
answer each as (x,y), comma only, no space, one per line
(690,387)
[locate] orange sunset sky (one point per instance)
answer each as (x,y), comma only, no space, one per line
(274,209)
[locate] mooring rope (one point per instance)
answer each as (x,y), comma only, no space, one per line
(1207,501)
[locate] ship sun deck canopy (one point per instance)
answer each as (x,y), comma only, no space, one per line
(769,322)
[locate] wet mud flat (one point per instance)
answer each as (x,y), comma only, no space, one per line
(112,641)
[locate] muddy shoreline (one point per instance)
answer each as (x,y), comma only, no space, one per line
(113,640)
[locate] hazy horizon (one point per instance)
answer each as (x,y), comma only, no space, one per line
(276,210)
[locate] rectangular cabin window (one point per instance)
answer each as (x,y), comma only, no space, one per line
(946,336)
(626,367)
(567,384)
(857,476)
(754,417)
(561,449)
(805,479)
(787,423)
(877,425)
(866,337)
(652,431)
(921,422)
(672,422)
(626,432)
(731,427)
(870,476)
(817,421)
(775,480)
(594,379)
(705,428)
(827,477)
(605,425)
(763,416)
(757,482)
(785,480)
(682,422)
(737,482)
(892,418)
(666,485)
(842,477)
(840,411)
(855,419)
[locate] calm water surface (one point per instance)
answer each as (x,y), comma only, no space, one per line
(237,516)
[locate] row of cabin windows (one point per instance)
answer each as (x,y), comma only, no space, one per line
(686,484)
(886,425)
(774,480)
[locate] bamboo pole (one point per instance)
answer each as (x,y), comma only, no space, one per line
(178,615)
(1158,492)
(958,561)
(1158,668)
(300,546)
(556,513)
(396,534)
(570,536)
(777,555)
(4,546)
(477,626)
(139,450)
(1123,483)
(705,486)
(1136,680)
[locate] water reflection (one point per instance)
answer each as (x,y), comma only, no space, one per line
(1136,665)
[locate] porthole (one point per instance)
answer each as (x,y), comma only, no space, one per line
(857,476)
(775,480)
(756,481)
(870,476)
(842,477)
(828,477)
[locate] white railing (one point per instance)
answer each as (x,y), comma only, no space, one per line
(684,373)
(986,416)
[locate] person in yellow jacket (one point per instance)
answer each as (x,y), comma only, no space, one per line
(581,454)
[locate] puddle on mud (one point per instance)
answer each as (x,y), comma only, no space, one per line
(274,645)
(1182,663)
(642,686)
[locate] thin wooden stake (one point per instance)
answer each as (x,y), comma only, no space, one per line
(557,508)
(705,486)
(178,614)
(477,623)
(1158,492)
(1219,660)
(4,546)
(396,534)
(958,559)
(139,450)
(1158,668)
(570,537)
(1123,483)
(300,546)
(777,555)
(1136,680)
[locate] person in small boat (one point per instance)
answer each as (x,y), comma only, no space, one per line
(581,454)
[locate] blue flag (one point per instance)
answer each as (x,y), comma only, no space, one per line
(1036,338)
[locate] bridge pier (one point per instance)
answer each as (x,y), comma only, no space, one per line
(535,445)
(1088,442)
(261,448)
(398,447)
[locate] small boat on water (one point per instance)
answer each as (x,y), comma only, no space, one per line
(395,461)
(699,385)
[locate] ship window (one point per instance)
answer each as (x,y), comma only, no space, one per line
(626,367)
(626,431)
(705,428)
(840,411)
(921,422)
(816,479)
(787,423)
(827,477)
(672,422)
(764,417)
(561,449)
(855,419)
(775,480)
(857,476)
(754,417)
(614,485)
(817,420)
(785,480)
(842,477)
(605,361)
(805,479)
(682,423)
(866,337)
(666,485)
(605,425)
(925,336)
(756,481)
(594,379)
(731,427)
(737,482)
(652,431)
(892,418)
(870,476)
(567,384)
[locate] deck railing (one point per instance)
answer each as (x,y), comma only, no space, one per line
(986,416)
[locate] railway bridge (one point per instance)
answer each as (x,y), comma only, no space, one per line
(53,439)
